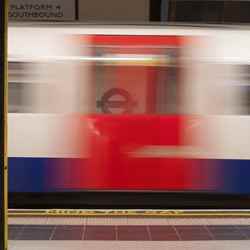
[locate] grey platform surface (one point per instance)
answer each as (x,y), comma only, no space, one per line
(128,233)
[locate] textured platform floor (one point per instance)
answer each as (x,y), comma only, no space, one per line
(128,233)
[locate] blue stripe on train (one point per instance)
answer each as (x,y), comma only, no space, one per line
(30,174)
(236,176)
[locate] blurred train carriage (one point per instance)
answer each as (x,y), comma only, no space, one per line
(129,110)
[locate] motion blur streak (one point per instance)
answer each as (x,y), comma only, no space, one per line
(129,109)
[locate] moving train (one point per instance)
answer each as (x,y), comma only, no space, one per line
(107,109)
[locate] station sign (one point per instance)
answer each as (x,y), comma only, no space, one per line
(42,10)
(109,105)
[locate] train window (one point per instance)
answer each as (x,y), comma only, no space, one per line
(14,98)
(19,88)
(166,87)
(135,82)
(244,99)
(237,101)
(19,98)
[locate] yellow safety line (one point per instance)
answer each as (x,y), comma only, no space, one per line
(119,213)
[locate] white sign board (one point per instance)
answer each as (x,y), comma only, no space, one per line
(42,10)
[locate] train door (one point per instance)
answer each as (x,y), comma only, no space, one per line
(136,125)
